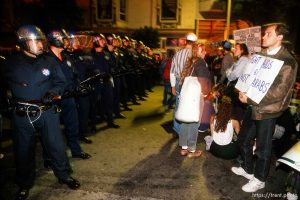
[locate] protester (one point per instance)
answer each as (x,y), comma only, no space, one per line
(168,99)
(217,64)
(227,61)
(238,68)
(178,63)
(223,129)
(195,66)
(242,55)
(261,123)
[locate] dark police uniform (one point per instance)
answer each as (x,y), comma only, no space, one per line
(82,66)
(104,89)
(112,58)
(29,80)
(69,112)
(131,77)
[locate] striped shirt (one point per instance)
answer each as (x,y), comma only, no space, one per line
(178,63)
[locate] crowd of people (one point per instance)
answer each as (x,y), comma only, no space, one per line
(72,78)
(80,78)
(240,127)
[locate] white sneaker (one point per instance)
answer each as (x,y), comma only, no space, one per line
(241,172)
(253,185)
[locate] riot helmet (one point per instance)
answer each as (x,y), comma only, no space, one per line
(110,38)
(99,40)
(31,39)
(55,38)
(66,40)
(125,41)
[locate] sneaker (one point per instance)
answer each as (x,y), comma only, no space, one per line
(241,172)
(253,185)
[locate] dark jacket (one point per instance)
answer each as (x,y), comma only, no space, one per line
(279,95)
(31,78)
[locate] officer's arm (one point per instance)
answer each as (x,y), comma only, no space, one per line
(58,80)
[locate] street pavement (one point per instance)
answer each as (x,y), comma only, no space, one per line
(141,161)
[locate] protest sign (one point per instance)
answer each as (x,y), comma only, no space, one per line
(249,72)
(250,36)
(258,76)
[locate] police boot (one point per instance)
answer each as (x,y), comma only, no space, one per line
(22,194)
(70,182)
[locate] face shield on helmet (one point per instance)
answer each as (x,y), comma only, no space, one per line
(73,40)
(55,38)
(99,41)
(111,39)
(125,41)
(118,41)
(31,39)
(133,43)
(66,40)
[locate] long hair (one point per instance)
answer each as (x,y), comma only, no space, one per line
(190,61)
(224,114)
(244,48)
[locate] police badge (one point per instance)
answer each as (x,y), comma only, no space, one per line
(69,63)
(46,71)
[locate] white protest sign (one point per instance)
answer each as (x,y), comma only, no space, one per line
(257,83)
(250,36)
(249,72)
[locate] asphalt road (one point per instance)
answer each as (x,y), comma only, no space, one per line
(141,161)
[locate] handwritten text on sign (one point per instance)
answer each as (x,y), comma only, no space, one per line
(258,76)
(250,36)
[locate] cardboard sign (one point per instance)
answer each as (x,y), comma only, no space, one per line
(250,36)
(258,76)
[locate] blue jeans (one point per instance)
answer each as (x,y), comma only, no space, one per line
(262,131)
(188,135)
(176,124)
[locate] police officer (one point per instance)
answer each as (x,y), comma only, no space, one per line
(112,56)
(130,62)
(123,56)
(32,78)
(82,64)
(104,89)
(69,112)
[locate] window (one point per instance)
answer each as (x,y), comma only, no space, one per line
(168,10)
(104,10)
(123,10)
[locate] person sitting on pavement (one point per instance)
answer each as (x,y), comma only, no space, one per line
(223,129)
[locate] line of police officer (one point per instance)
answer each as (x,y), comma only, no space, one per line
(70,78)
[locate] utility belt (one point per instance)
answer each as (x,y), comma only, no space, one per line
(33,110)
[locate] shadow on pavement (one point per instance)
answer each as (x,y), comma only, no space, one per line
(159,176)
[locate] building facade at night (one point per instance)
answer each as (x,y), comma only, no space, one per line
(172,18)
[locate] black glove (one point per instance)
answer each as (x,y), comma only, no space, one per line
(48,98)
(84,89)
